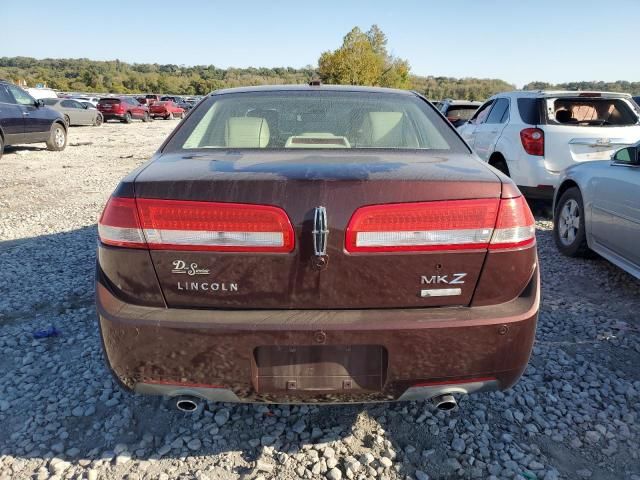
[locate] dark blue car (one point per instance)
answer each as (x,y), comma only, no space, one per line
(26,120)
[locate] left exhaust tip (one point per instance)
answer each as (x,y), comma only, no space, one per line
(187,404)
(445,402)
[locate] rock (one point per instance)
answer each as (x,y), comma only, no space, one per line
(263,466)
(334,474)
(194,445)
(221,417)
(386,462)
(458,445)
(420,475)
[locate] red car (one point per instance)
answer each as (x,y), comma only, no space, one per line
(124,109)
(166,110)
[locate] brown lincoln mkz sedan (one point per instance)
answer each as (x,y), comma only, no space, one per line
(316,244)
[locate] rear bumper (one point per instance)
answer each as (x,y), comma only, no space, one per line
(212,353)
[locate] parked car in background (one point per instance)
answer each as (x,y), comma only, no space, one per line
(88,104)
(39,93)
(92,100)
(74,112)
(151,98)
(637,100)
(597,207)
(23,119)
(458,111)
(352,249)
(166,109)
(533,136)
(123,108)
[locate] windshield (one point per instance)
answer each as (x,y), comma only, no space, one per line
(461,112)
(300,119)
(591,112)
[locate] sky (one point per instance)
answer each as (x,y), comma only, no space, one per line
(553,41)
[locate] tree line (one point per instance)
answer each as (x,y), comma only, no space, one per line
(362,59)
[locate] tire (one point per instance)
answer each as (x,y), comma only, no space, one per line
(98,121)
(1,146)
(57,138)
(170,116)
(127,117)
(146,118)
(67,121)
(569,230)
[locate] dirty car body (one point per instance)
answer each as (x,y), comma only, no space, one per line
(316,244)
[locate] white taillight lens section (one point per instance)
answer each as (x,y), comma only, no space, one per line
(423,226)
(515,226)
(119,224)
(198,226)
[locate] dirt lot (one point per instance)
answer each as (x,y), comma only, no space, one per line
(574,414)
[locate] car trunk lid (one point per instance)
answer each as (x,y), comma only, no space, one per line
(298,183)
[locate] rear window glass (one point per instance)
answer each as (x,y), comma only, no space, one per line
(109,100)
(590,112)
(330,119)
(461,112)
(50,101)
(529,110)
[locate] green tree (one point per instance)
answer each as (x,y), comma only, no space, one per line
(363,59)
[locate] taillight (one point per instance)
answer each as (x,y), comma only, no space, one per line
(189,225)
(441,225)
(515,226)
(119,224)
(533,141)
(424,226)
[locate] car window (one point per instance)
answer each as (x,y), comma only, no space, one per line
(50,101)
(500,111)
(460,112)
(21,97)
(529,110)
(586,111)
(69,104)
(331,119)
(482,113)
(5,97)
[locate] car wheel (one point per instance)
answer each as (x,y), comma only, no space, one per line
(568,225)
(146,118)
(67,120)
(57,138)
(170,116)
(98,120)
(1,146)
(127,117)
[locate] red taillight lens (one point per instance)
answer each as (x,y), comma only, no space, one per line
(187,225)
(441,225)
(119,224)
(532,141)
(231,227)
(424,226)
(515,226)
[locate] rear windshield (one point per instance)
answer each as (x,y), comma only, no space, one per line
(590,112)
(50,101)
(109,100)
(461,112)
(330,119)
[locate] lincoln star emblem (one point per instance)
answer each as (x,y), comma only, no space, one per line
(320,231)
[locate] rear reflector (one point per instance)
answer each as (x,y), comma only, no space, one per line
(442,225)
(189,225)
(424,226)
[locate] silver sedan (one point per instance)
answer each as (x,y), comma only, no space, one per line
(597,208)
(75,113)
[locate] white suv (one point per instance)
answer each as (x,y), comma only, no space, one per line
(533,136)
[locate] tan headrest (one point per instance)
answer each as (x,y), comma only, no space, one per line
(246,132)
(382,129)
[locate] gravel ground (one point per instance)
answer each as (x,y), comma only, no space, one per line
(573,415)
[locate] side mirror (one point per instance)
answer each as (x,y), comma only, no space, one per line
(630,155)
(39,103)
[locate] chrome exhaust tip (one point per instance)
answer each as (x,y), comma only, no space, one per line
(444,402)
(187,404)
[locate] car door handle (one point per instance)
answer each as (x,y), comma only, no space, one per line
(26,114)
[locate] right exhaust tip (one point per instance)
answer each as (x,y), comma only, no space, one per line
(444,402)
(187,404)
